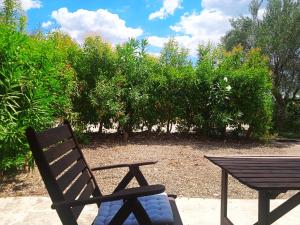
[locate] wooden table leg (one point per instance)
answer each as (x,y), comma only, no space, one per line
(284,208)
(263,208)
(224,192)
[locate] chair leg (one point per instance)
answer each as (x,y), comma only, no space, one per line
(122,214)
(263,208)
(140,213)
(135,170)
(124,182)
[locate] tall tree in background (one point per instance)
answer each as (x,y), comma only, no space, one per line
(277,34)
(11,14)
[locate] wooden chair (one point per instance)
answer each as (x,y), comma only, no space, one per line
(72,185)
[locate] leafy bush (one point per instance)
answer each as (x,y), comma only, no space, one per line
(234,90)
(35,88)
(292,120)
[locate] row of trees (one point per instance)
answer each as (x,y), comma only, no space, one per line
(128,87)
(47,78)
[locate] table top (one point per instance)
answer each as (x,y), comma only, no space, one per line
(262,172)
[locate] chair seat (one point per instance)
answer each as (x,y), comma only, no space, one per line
(157,207)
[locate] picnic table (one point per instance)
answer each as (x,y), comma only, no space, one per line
(269,175)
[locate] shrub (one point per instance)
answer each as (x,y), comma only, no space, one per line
(35,88)
(234,90)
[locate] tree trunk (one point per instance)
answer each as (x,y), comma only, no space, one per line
(100,127)
(280,112)
(249,131)
(125,136)
(149,128)
(168,121)
(281,103)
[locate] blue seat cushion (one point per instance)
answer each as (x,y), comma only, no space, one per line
(157,207)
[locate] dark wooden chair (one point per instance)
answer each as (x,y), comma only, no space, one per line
(72,185)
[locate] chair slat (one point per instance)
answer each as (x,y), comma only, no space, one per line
(88,191)
(69,176)
(63,163)
(53,136)
(58,150)
(77,186)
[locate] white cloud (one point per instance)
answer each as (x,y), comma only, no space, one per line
(260,13)
(31,4)
(83,23)
(194,29)
(208,25)
(157,41)
(28,4)
(46,24)
(168,8)
(228,7)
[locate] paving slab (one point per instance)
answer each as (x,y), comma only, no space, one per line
(194,211)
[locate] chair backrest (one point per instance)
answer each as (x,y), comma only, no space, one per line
(63,168)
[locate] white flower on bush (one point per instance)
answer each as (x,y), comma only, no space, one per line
(228,88)
(225,79)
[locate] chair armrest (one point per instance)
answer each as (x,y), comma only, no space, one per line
(129,193)
(123,165)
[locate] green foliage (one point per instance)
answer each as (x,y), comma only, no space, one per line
(277,34)
(46,79)
(234,90)
(127,87)
(176,73)
(95,66)
(12,15)
(35,88)
(292,122)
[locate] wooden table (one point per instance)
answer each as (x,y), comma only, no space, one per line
(269,175)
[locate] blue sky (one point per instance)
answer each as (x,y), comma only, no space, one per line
(190,22)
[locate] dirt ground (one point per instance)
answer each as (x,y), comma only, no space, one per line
(181,166)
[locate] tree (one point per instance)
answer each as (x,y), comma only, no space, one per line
(12,15)
(232,89)
(131,77)
(94,64)
(175,65)
(277,34)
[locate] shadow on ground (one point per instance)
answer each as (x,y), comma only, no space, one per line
(175,139)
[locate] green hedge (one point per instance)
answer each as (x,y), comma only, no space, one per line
(35,87)
(128,87)
(44,79)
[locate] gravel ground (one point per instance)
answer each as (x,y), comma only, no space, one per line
(181,166)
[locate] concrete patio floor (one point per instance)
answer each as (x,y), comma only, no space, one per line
(194,211)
